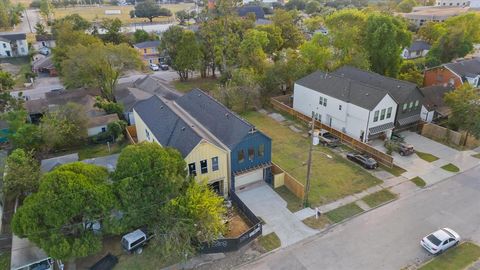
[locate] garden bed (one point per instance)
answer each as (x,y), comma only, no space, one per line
(237,223)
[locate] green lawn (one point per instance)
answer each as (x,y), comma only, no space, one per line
(269,242)
(317,223)
(331,179)
(5,260)
(397,171)
(379,197)
(451,168)
(426,156)
(207,84)
(457,258)
(343,212)
(476,155)
(100,150)
(294,203)
(149,259)
(418,181)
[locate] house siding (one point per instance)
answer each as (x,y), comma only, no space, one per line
(416,110)
(441,76)
(21,50)
(149,55)
(96,130)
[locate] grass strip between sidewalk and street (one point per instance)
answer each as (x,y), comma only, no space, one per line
(426,156)
(269,242)
(457,258)
(343,212)
(379,197)
(476,155)
(418,181)
(450,168)
(317,223)
(395,170)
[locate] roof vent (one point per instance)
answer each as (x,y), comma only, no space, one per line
(183,128)
(161,107)
(227,115)
(398,86)
(366,94)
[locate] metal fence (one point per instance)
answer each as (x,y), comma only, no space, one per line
(380,156)
(233,244)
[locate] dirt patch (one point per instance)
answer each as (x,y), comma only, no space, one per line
(237,223)
(13,69)
(110,245)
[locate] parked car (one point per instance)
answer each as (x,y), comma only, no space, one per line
(364,160)
(327,139)
(404,149)
(397,137)
(154,67)
(44,51)
(163,66)
(441,240)
(134,241)
(106,263)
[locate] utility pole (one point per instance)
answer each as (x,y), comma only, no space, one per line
(309,164)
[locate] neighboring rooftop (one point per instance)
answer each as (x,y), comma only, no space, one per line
(11,36)
(224,124)
(466,68)
(434,98)
(257,10)
(43,63)
(47,165)
(419,45)
(102,120)
(147,44)
(46,37)
(128,96)
(153,86)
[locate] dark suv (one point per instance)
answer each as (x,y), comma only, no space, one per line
(404,149)
(364,160)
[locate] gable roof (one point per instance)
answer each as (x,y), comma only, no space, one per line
(147,44)
(224,124)
(434,96)
(12,36)
(345,89)
(129,96)
(47,165)
(102,120)
(399,90)
(152,85)
(466,68)
(257,10)
(166,126)
(46,37)
(419,45)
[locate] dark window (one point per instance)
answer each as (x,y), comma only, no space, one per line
(203,166)
(241,156)
(261,150)
(137,242)
(375,116)
(215,164)
(148,134)
(104,129)
(191,169)
(340,107)
(389,112)
(144,50)
(382,115)
(321,101)
(324,102)
(251,153)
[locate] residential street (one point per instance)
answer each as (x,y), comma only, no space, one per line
(388,237)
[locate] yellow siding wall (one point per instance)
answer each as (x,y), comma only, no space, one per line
(152,53)
(206,151)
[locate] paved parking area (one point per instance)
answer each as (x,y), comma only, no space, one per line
(268,205)
(431,172)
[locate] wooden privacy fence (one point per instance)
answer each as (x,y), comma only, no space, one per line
(132,134)
(289,181)
(380,156)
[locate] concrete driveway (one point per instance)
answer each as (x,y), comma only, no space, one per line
(431,172)
(268,205)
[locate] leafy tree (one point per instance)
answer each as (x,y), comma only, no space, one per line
(241,92)
(149,9)
(109,106)
(183,16)
(141,36)
(196,217)
(22,174)
(60,217)
(146,178)
(406,6)
(313,7)
(432,31)
(385,38)
(15,118)
(296,5)
(113,29)
(313,23)
(64,127)
(28,137)
(251,50)
(116,128)
(98,66)
(449,47)
(465,115)
(46,9)
(317,53)
(274,35)
(409,72)
(75,21)
(40,29)
(6,81)
(287,22)
(187,56)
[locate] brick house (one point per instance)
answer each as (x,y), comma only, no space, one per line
(454,74)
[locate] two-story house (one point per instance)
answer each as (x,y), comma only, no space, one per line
(249,149)
(13,44)
(163,122)
(456,74)
(148,51)
(361,104)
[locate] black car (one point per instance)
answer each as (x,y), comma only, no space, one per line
(106,263)
(163,66)
(364,160)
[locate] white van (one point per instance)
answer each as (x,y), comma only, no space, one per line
(134,241)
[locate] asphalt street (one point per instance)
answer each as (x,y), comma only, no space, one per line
(388,237)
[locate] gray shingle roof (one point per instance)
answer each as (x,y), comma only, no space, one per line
(257,10)
(419,45)
(148,44)
(399,90)
(13,36)
(151,85)
(434,96)
(167,126)
(466,68)
(224,124)
(343,88)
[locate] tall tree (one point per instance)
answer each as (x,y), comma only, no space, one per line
(241,92)
(6,81)
(40,29)
(60,218)
(46,9)
(149,9)
(287,22)
(406,6)
(113,28)
(22,174)
(147,177)
(410,72)
(99,66)
(465,109)
(252,50)
(184,50)
(274,35)
(385,38)
(317,53)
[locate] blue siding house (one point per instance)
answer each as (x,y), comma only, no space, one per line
(250,150)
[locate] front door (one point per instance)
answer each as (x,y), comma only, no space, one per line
(8,54)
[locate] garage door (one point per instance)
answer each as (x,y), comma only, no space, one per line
(248,178)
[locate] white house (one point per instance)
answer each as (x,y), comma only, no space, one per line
(357,109)
(98,124)
(44,44)
(13,44)
(419,48)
